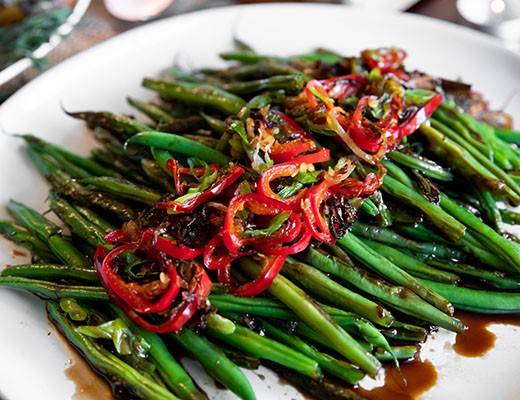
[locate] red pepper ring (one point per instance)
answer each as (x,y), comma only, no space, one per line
(285,152)
(169,246)
(413,123)
(130,292)
(116,236)
(286,169)
(280,171)
(197,294)
(216,255)
(300,245)
(259,205)
(270,269)
(173,166)
(222,182)
(312,206)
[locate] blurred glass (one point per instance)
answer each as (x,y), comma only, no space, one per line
(497,17)
(136,10)
(489,12)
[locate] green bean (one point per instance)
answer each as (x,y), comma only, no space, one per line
(19,235)
(214,362)
(51,272)
(157,175)
(215,124)
(64,184)
(411,265)
(55,291)
(85,163)
(384,267)
(122,125)
(179,144)
(464,138)
(337,368)
(442,220)
(508,135)
(398,297)
(317,319)
(471,163)
(508,250)
(107,363)
(122,188)
(197,93)
(94,218)
(392,238)
(334,293)
(262,347)
(291,84)
(428,167)
(47,231)
(80,226)
(510,216)
(153,111)
(482,301)
(183,124)
(173,374)
(498,279)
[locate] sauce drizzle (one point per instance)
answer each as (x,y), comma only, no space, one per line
(419,376)
(477,340)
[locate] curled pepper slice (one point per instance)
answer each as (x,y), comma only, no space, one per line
(216,188)
(134,303)
(247,223)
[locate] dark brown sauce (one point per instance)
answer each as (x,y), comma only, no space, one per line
(89,385)
(419,376)
(18,253)
(477,340)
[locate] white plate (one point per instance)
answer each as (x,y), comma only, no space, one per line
(32,362)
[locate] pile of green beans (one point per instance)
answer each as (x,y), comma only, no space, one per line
(339,311)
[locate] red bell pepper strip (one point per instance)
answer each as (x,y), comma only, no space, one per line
(270,269)
(221,183)
(234,233)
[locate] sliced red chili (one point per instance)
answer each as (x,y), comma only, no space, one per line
(412,123)
(386,59)
(169,246)
(216,254)
(257,207)
(285,250)
(181,186)
(133,293)
(221,183)
(292,139)
(288,169)
(312,206)
(195,297)
(270,269)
